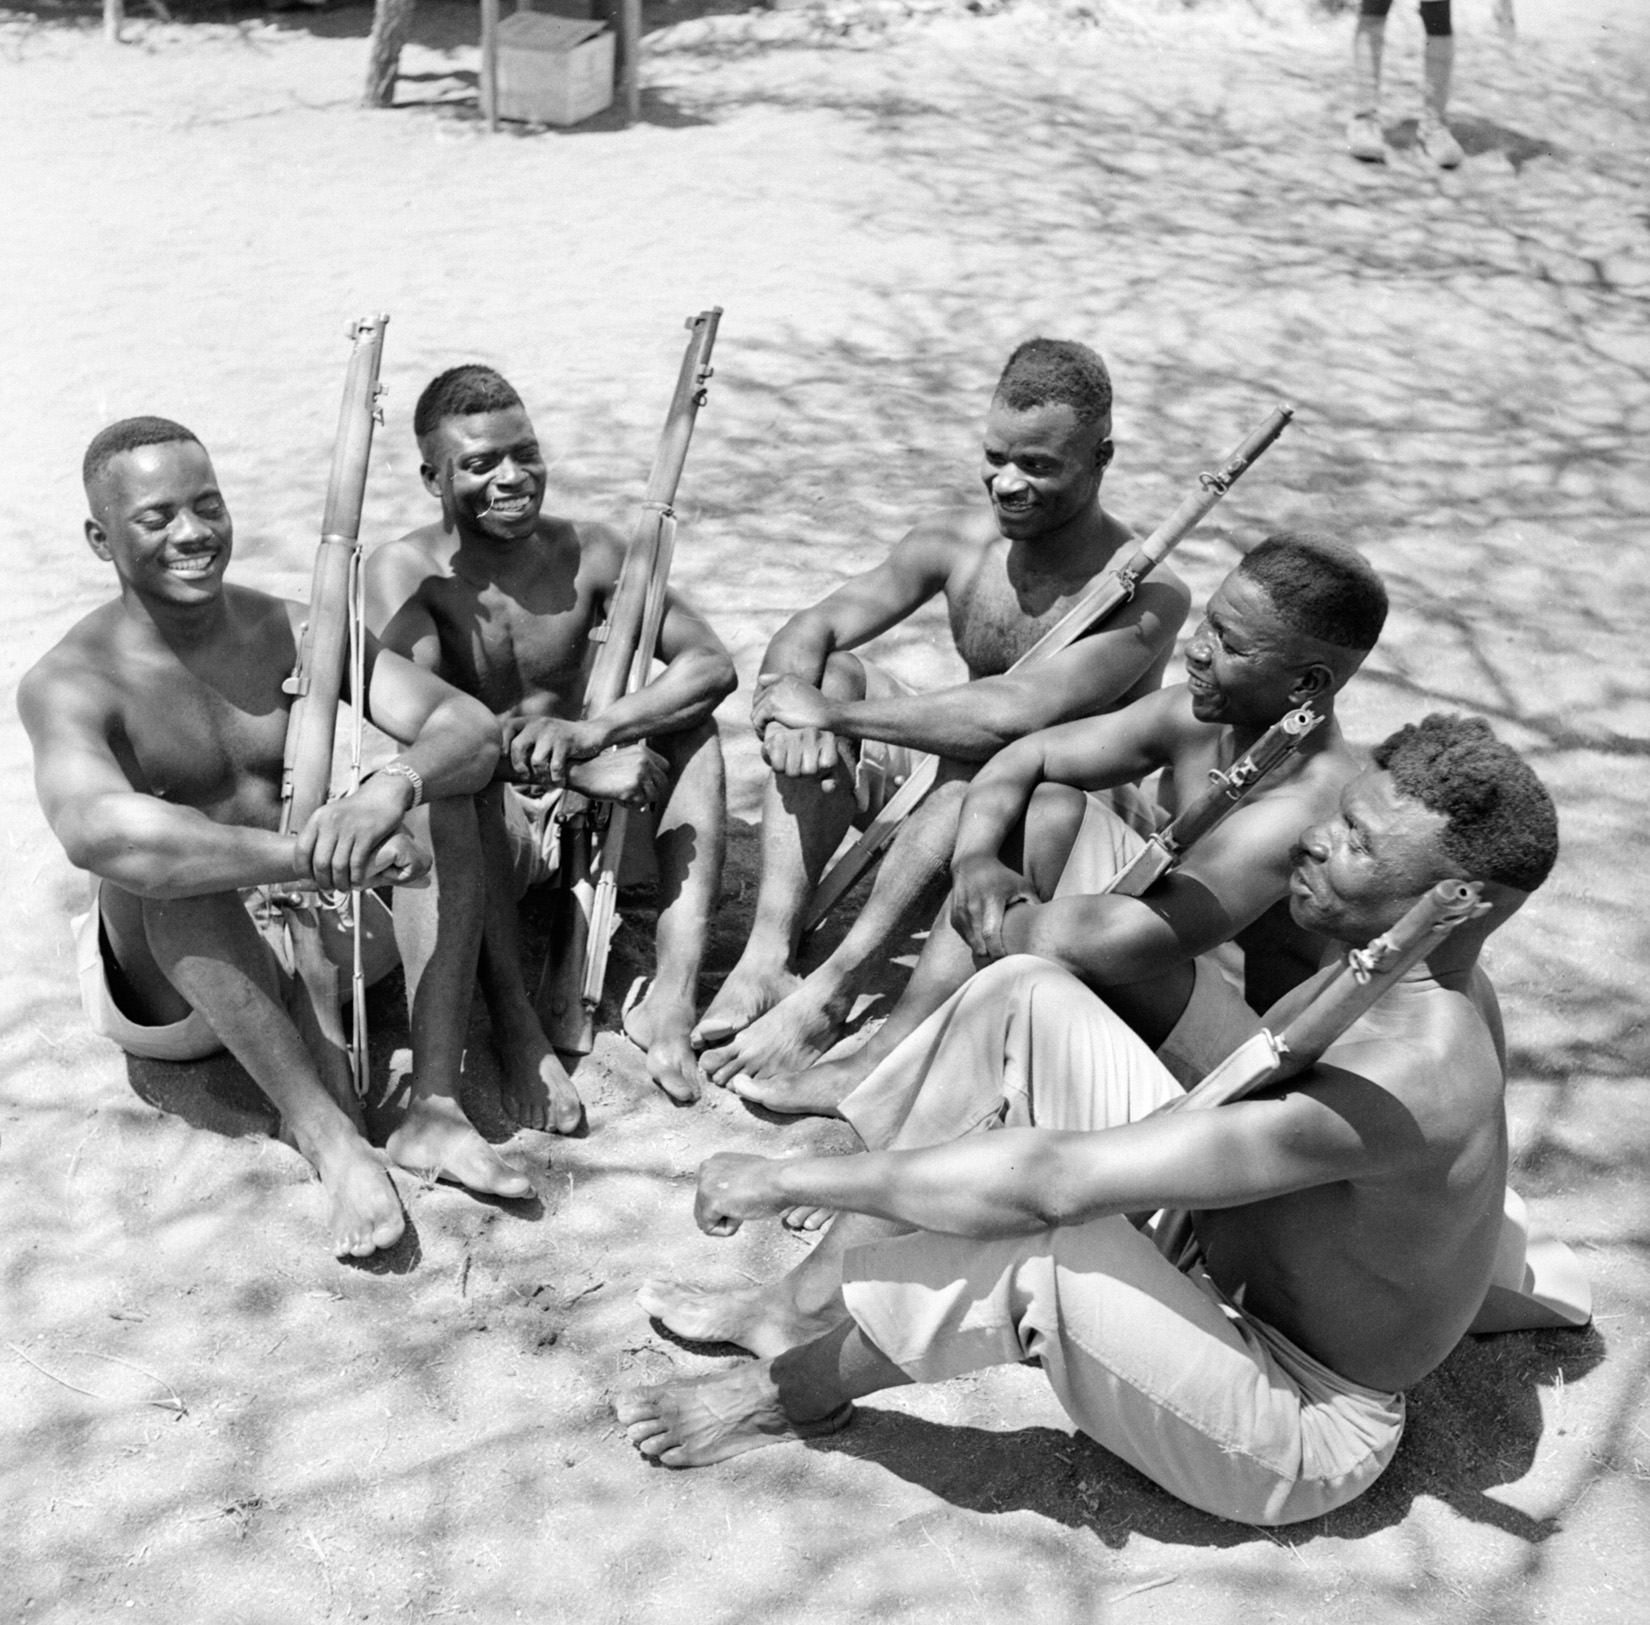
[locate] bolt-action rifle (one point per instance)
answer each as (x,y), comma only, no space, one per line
(1164,850)
(333,636)
(571,987)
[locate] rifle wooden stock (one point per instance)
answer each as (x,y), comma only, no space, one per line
(1364,975)
(1103,599)
(1164,850)
(571,987)
(317,679)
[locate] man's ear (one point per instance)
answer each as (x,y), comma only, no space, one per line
(1103,454)
(97,538)
(432,480)
(1314,683)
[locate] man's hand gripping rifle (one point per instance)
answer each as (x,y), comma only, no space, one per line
(593,843)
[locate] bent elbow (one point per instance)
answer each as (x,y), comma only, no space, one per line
(723,680)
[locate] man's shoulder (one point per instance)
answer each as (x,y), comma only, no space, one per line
(422,552)
(954,530)
(1430,1047)
(79,669)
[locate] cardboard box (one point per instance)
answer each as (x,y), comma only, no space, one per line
(553,70)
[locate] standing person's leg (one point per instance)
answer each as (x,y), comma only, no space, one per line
(1364,136)
(210,953)
(438,930)
(690,845)
(803,822)
(1437,140)
(537,1091)
(1024,1043)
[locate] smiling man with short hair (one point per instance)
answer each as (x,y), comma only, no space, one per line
(502,600)
(159,724)
(840,734)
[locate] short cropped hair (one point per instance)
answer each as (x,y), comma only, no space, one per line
(1320,587)
(459,391)
(1056,372)
(127,435)
(1502,825)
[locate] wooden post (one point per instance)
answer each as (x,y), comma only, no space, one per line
(114,19)
(630,51)
(489,62)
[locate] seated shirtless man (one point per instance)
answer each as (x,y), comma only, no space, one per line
(159,724)
(1008,574)
(1346,1222)
(1288,627)
(501,599)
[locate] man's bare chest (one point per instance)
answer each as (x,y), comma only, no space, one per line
(215,741)
(506,644)
(994,620)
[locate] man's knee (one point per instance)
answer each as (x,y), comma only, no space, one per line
(844,677)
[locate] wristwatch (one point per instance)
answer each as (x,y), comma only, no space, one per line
(405,770)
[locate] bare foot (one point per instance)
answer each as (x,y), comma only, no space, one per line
(749,991)
(436,1137)
(807,1218)
(659,1026)
(761,1319)
(701,1420)
(788,1039)
(364,1213)
(536,1089)
(816,1091)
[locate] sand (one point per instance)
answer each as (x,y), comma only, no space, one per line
(202,1415)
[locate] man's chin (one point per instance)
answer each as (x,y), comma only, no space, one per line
(517,528)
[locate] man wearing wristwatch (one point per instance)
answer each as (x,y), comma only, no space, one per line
(158,725)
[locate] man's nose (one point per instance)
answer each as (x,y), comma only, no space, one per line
(1008,478)
(188,526)
(508,472)
(1314,842)
(1197,651)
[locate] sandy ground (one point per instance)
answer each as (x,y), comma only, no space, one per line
(206,1417)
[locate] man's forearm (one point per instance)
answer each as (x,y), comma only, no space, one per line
(1104,940)
(996,800)
(1010,1182)
(455,751)
(155,850)
(682,696)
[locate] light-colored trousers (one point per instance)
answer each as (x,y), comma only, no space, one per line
(1148,1359)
